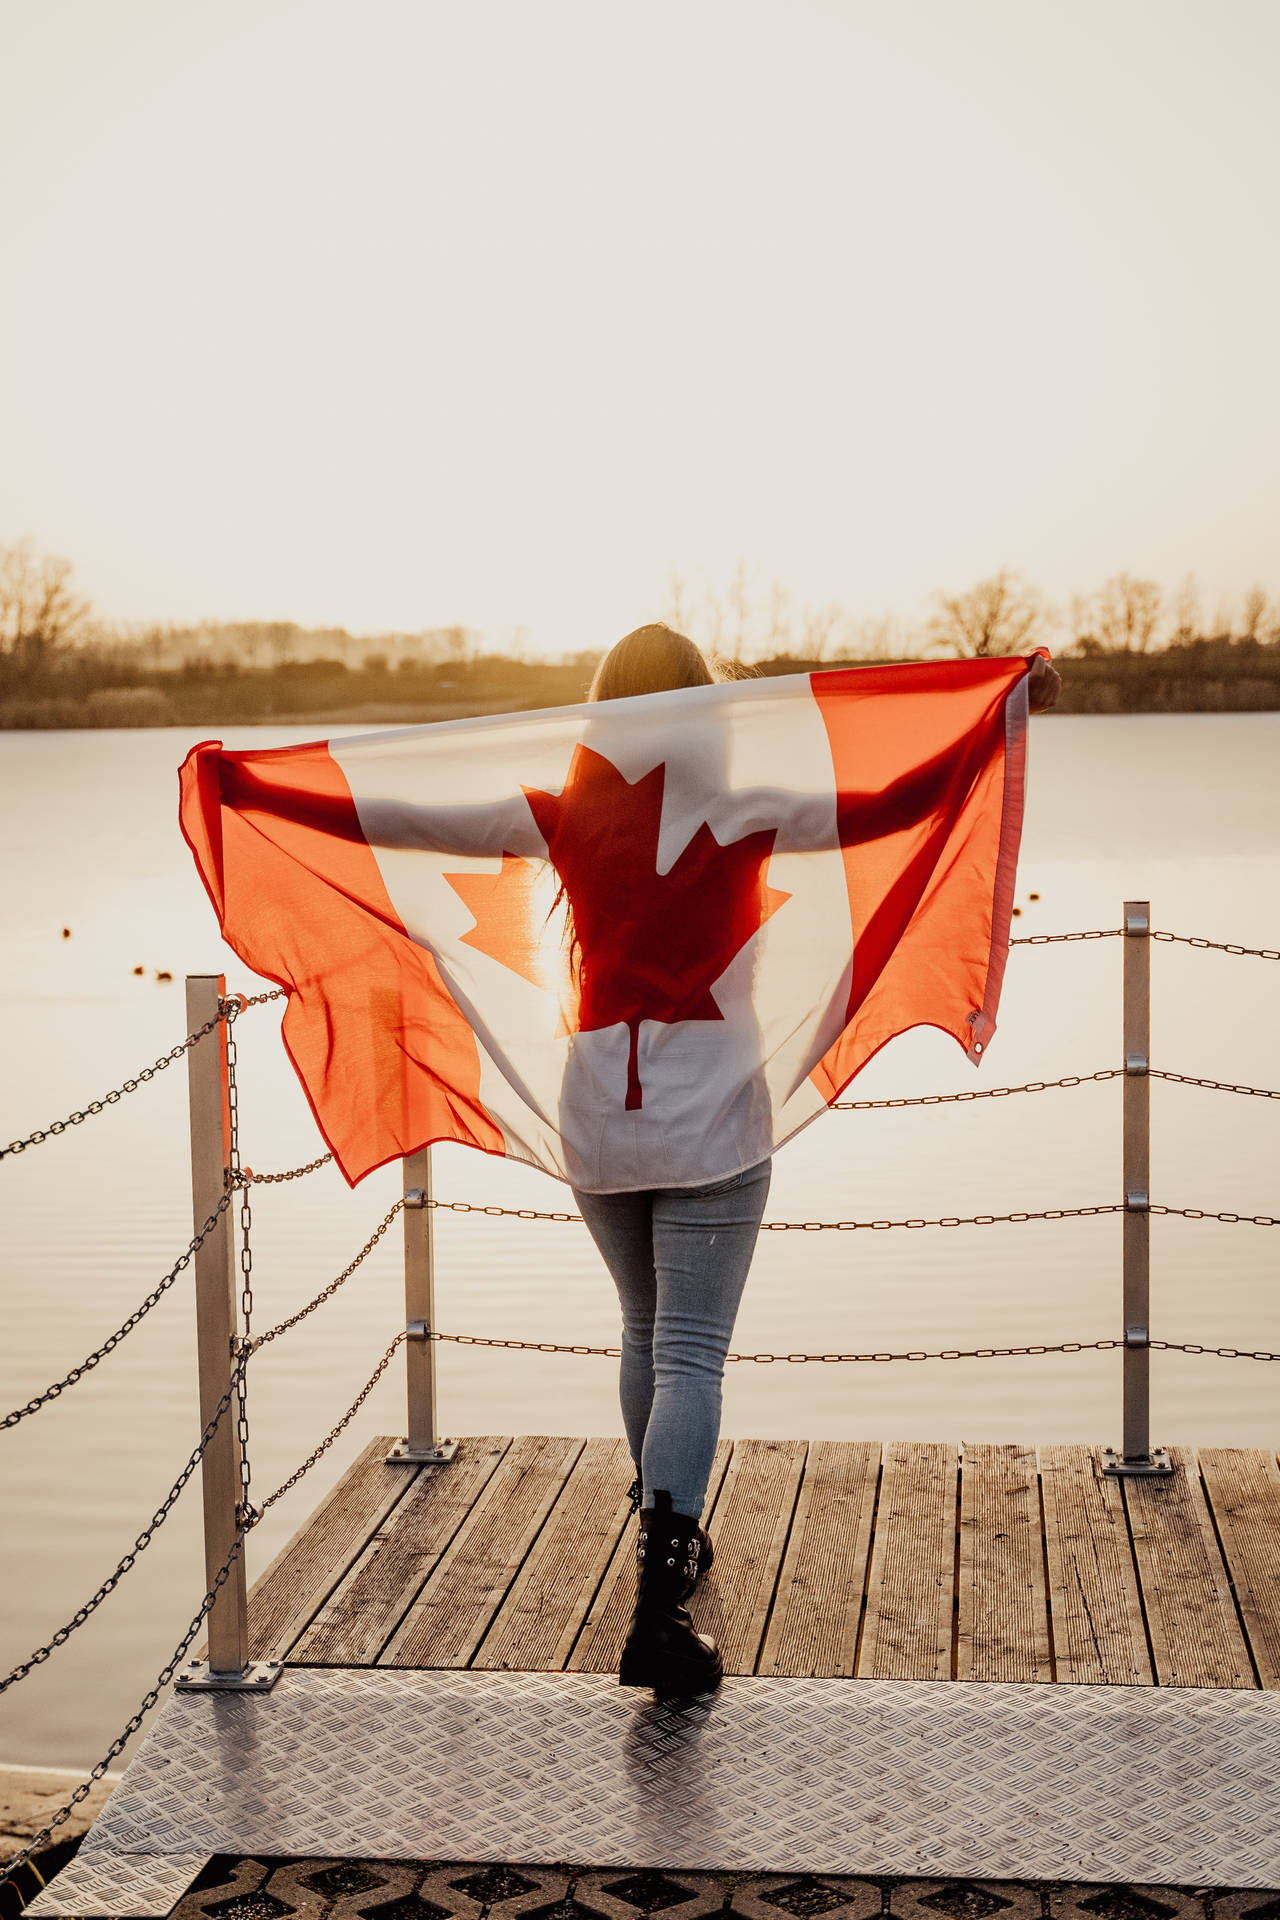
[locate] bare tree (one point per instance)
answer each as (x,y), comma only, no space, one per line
(999,615)
(738,602)
(817,624)
(1253,617)
(1126,613)
(38,611)
(778,619)
(676,608)
(1186,611)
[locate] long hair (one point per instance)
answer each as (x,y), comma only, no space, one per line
(652,659)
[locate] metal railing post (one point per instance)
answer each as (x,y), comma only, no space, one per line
(421,1445)
(1136,1456)
(215,1278)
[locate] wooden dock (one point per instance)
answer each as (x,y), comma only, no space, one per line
(902,1560)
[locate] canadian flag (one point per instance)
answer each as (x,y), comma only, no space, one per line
(636,942)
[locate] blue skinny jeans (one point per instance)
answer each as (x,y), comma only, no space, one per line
(679,1258)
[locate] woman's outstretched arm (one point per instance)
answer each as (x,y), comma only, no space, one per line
(495,827)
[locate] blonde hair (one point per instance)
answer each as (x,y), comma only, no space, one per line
(651,659)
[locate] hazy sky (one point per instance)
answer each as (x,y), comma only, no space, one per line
(397,312)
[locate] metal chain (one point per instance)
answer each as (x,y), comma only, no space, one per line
(882,1226)
(327,1293)
(333,1433)
(943,1353)
(228,1010)
(815,1226)
(1217,1086)
(252,1179)
(130,1085)
(1115,933)
(235,1178)
(982,1093)
(100,1353)
(1220,946)
(763,1359)
(1229,1219)
(140,1545)
(149,1700)
(1217,1353)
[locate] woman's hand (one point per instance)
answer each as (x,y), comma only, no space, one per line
(1044,685)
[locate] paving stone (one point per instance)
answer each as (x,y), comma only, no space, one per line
(442,1890)
(1123,1903)
(218,1882)
(341,1888)
(971,1900)
(549,1894)
(1255,1903)
(633,1894)
(807,1896)
(487,1885)
(259,1905)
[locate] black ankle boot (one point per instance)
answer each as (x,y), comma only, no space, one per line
(662,1650)
(706,1552)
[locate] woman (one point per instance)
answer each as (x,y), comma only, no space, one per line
(679,1258)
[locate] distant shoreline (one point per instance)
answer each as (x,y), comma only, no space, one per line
(1198,677)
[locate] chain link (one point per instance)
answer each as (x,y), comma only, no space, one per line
(139,1546)
(333,1432)
(139,1313)
(327,1293)
(980,1093)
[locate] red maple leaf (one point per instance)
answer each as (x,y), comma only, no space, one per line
(507,918)
(649,945)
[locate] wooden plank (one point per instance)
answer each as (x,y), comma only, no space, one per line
(1094,1606)
(1243,1485)
(452,1612)
(1003,1618)
(539,1620)
(813,1630)
(911,1590)
(598,1647)
(383,1582)
(288,1593)
(1186,1596)
(749,1532)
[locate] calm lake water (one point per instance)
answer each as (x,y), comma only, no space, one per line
(1182,809)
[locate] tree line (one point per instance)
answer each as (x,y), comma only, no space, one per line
(1127,647)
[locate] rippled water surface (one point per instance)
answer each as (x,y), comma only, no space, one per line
(1182,809)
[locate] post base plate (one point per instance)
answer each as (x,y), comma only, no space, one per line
(403,1454)
(1115,1465)
(258,1677)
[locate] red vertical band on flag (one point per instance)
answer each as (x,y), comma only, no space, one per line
(384,1054)
(929,855)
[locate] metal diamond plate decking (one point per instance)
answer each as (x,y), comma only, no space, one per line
(1167,1785)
